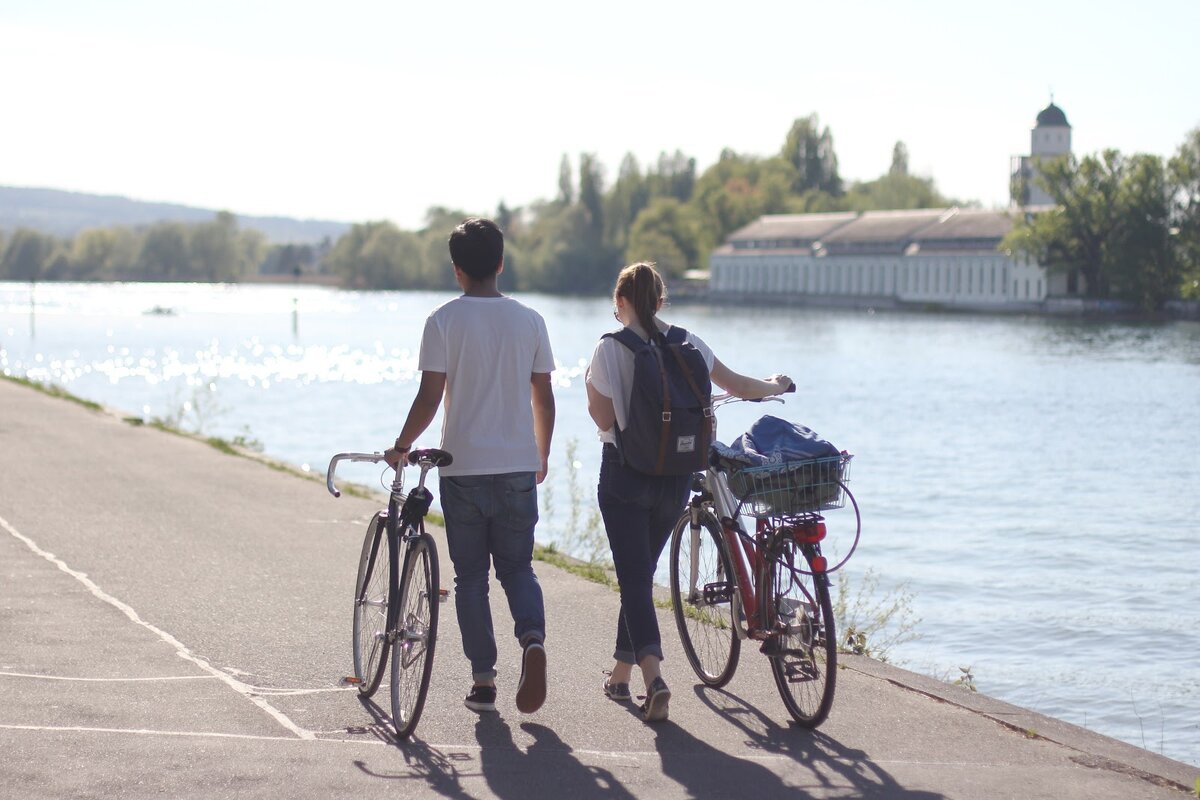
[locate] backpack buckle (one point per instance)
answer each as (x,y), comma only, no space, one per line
(666,416)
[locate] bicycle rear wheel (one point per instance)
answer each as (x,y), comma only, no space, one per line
(804,660)
(416,634)
(703,594)
(371,607)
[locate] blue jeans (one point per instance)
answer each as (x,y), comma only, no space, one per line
(639,512)
(490,518)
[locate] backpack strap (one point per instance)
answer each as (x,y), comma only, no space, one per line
(674,335)
(628,338)
(706,430)
(664,437)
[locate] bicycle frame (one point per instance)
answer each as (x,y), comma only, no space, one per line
(746,552)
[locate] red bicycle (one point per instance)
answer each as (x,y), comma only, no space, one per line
(770,586)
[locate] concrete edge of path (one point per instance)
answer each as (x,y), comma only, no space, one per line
(1095,750)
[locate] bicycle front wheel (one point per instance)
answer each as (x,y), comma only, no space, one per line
(804,660)
(416,634)
(370,608)
(703,594)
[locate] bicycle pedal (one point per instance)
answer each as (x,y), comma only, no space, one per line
(443,595)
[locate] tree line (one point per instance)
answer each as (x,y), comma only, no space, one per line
(574,243)
(663,212)
(1128,226)
(215,251)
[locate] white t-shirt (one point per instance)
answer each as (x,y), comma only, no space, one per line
(611,372)
(489,348)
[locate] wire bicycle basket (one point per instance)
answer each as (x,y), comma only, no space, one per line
(793,487)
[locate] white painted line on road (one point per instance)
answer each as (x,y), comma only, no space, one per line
(296,692)
(106,680)
(239,687)
(143,732)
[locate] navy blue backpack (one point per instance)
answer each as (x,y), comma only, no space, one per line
(670,423)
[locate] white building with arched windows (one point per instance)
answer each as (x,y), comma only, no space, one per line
(940,257)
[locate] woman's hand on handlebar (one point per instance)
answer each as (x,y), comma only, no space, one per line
(784,383)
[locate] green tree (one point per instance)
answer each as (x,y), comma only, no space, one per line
(671,234)
(739,189)
(1145,267)
(28,255)
(93,253)
(810,151)
(213,250)
(1111,225)
(376,255)
(566,188)
(673,176)
(628,196)
(164,253)
(1185,215)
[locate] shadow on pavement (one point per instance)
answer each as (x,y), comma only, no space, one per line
(829,765)
(546,769)
(422,762)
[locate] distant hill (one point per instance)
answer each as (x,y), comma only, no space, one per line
(66,213)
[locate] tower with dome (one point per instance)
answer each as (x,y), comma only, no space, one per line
(1050,138)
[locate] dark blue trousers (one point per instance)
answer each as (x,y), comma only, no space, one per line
(639,512)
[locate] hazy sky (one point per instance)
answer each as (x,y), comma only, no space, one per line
(357,110)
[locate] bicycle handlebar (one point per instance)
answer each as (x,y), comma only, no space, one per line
(427,458)
(726,397)
(373,458)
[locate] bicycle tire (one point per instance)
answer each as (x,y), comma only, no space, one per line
(705,607)
(804,663)
(370,608)
(416,634)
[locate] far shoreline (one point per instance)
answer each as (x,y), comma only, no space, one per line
(692,291)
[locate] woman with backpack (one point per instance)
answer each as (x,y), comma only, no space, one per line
(645,477)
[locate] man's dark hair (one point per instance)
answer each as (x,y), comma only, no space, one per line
(477,248)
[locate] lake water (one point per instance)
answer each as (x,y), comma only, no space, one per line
(1035,483)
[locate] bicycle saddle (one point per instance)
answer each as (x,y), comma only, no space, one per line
(439,458)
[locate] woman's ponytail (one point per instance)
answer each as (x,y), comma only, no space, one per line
(642,287)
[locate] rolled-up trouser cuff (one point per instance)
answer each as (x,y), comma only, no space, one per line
(484,677)
(626,657)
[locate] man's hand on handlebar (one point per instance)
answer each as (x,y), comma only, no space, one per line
(394,455)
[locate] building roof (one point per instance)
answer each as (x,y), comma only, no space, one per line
(885,226)
(1052,117)
(802,227)
(966,223)
(881,232)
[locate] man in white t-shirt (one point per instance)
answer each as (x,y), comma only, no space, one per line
(489,357)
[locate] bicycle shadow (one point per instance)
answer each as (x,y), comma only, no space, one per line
(830,765)
(422,762)
(546,769)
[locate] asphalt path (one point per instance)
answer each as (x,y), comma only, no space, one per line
(175,622)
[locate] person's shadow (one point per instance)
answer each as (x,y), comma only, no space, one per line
(547,769)
(828,765)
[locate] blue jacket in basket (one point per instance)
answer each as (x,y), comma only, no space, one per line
(771,440)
